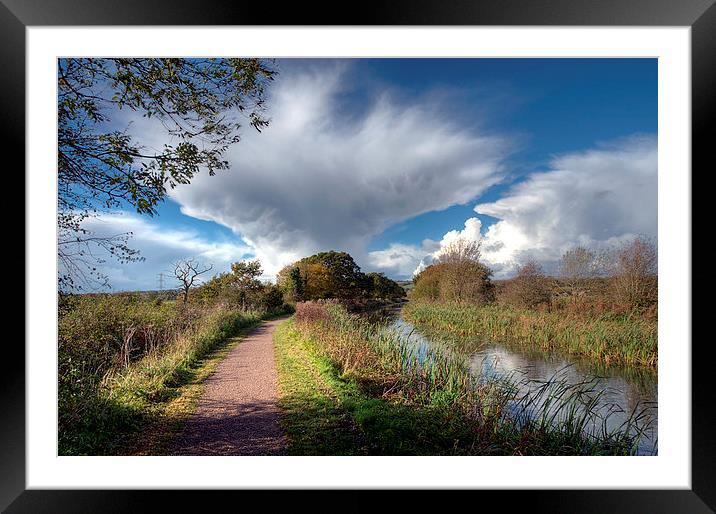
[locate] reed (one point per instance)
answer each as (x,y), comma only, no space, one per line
(628,340)
(552,419)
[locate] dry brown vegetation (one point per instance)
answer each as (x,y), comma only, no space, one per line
(618,282)
(457,276)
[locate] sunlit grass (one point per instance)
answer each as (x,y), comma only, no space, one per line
(558,418)
(104,415)
(629,341)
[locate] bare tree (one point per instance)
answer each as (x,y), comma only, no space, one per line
(81,252)
(460,250)
(634,273)
(187,272)
(576,266)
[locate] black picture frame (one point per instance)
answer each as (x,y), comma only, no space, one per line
(17,15)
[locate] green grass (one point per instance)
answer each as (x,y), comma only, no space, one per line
(628,341)
(136,409)
(350,387)
(327,413)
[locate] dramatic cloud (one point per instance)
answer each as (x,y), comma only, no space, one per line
(318,179)
(160,247)
(470,232)
(399,260)
(596,198)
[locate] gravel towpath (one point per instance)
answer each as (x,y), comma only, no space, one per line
(238,412)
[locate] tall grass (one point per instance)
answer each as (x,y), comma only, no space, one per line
(558,418)
(627,340)
(121,358)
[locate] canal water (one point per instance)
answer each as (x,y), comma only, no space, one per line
(619,391)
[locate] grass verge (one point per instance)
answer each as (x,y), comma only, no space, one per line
(328,413)
(352,387)
(136,410)
(169,417)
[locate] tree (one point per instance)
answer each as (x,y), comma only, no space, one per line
(576,266)
(347,279)
(271,298)
(318,281)
(187,273)
(297,283)
(460,250)
(199,102)
(463,277)
(292,282)
(383,287)
(634,274)
(244,279)
(456,276)
(426,284)
(529,288)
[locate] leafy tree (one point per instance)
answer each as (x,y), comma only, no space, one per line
(200,104)
(319,282)
(427,283)
(456,276)
(291,282)
(334,275)
(241,288)
(383,287)
(271,298)
(244,279)
(214,289)
(348,280)
(297,282)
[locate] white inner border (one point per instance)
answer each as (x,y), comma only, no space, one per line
(670,469)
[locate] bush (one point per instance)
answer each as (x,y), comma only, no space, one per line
(119,354)
(97,332)
(634,283)
(529,289)
(460,282)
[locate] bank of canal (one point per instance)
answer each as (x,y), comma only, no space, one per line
(619,391)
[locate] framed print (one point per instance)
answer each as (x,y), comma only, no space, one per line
(456,253)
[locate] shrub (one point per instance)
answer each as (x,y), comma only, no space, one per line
(530,288)
(119,354)
(634,282)
(467,281)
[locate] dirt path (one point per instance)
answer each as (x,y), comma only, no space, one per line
(238,412)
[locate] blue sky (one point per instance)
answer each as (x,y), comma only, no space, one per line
(390,158)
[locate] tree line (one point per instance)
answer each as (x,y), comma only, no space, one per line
(334,275)
(622,279)
(325,275)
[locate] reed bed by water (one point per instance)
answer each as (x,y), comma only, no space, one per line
(630,341)
(554,418)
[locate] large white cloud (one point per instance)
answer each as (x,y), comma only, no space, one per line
(160,246)
(319,179)
(595,198)
(399,260)
(470,232)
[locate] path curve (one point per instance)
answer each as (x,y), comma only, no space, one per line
(238,412)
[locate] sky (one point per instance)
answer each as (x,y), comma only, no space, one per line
(391,159)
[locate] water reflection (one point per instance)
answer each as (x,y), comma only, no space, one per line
(621,390)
